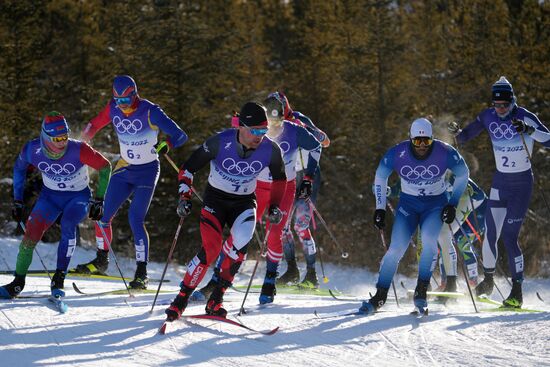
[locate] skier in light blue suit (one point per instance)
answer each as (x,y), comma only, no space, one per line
(421,163)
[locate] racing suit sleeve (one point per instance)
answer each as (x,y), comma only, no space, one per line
(277,170)
(97,123)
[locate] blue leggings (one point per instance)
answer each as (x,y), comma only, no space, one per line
(413,211)
(141,181)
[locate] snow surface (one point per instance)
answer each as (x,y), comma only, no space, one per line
(117,331)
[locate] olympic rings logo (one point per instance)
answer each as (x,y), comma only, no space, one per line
(285,146)
(242,168)
(417,172)
(57,169)
(127,126)
(500,131)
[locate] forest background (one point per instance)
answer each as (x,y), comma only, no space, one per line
(362,70)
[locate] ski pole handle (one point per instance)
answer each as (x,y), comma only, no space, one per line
(174,165)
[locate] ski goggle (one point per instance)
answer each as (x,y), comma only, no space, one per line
(421,140)
(123,100)
(501,105)
(258,132)
(59,139)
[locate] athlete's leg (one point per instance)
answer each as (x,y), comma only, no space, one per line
(75,211)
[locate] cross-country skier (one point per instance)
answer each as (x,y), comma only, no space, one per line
(302,206)
(236,157)
(512,129)
(63,164)
(136,122)
(421,163)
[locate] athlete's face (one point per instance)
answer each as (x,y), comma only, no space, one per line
(251,137)
(501,107)
(421,145)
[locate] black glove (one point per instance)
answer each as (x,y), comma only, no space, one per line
(96,209)
(184,207)
(453,127)
(448,214)
(17,210)
(380,218)
(522,127)
(162,147)
(275,214)
(304,191)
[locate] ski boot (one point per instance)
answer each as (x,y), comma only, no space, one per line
(420,297)
(214,306)
(178,305)
(450,286)
(98,265)
(291,275)
(204,293)
(486,285)
(13,289)
(310,280)
(268,292)
(373,304)
(141,281)
(515,299)
(57,284)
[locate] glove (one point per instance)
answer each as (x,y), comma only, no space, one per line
(380,218)
(96,209)
(162,147)
(304,191)
(185,179)
(184,207)
(522,127)
(17,210)
(275,215)
(454,128)
(448,214)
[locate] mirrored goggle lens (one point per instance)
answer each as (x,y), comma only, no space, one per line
(423,140)
(258,132)
(59,139)
(501,105)
(123,100)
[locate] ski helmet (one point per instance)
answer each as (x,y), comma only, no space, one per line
(124,91)
(54,135)
(253,114)
(502,90)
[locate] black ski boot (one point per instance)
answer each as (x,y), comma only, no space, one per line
(141,281)
(515,299)
(420,296)
(291,275)
(214,306)
(13,289)
(450,286)
(310,280)
(58,283)
(486,285)
(269,291)
(377,301)
(179,304)
(98,265)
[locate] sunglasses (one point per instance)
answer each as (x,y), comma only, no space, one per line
(258,132)
(421,140)
(59,139)
(123,100)
(501,105)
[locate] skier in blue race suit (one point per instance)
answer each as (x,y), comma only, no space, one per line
(136,122)
(512,130)
(421,163)
(63,164)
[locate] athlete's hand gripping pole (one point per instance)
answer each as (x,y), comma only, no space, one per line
(392,282)
(344,254)
(177,171)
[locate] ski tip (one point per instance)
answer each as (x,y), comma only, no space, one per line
(162,329)
(271,332)
(539,297)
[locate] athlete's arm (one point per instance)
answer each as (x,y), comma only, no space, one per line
(541,133)
(176,136)
(96,160)
(458,166)
(277,170)
(319,134)
(470,131)
(308,142)
(20,172)
(384,170)
(203,155)
(97,123)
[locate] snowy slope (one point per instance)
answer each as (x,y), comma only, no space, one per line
(107,331)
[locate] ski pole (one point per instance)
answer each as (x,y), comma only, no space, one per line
(392,282)
(312,220)
(37,253)
(177,170)
(114,256)
(262,246)
(170,253)
(325,278)
(344,254)
(464,270)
